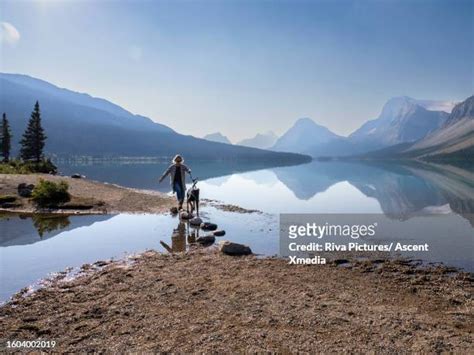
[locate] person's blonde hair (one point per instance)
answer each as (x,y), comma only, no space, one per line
(178,157)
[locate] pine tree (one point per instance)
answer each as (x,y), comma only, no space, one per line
(33,140)
(5,138)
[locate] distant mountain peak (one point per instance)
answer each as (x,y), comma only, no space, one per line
(462,110)
(303,135)
(217,137)
(260,140)
(397,107)
(402,119)
(306,121)
(403,105)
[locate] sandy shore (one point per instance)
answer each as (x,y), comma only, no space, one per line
(104,198)
(207,302)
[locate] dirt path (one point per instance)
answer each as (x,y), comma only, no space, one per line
(208,302)
(105,198)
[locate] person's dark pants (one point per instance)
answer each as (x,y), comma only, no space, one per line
(179,189)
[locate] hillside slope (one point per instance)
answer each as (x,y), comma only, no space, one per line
(77,124)
(455,139)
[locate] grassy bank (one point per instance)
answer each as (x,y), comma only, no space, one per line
(21,167)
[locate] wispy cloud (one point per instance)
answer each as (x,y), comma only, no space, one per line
(8,33)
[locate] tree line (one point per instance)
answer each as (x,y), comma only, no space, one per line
(32,142)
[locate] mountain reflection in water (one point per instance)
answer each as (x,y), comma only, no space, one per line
(400,191)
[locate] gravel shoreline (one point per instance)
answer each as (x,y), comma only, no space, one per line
(203,301)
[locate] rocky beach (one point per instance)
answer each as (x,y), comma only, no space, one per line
(218,303)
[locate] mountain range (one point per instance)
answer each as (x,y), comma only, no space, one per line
(405,128)
(78,124)
(260,140)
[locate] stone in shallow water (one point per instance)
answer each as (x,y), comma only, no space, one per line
(206,239)
(185,215)
(231,248)
(196,221)
(207,226)
(219,233)
(174,210)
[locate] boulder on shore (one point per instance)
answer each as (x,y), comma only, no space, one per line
(77,176)
(25,190)
(231,248)
(206,239)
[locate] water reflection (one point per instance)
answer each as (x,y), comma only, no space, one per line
(144,175)
(178,239)
(400,191)
(182,237)
(25,257)
(48,224)
(30,229)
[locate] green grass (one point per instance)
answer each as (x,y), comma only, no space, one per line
(20,167)
(50,194)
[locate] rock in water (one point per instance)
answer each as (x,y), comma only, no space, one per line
(231,248)
(206,239)
(25,190)
(196,221)
(207,226)
(77,176)
(185,215)
(219,233)
(174,210)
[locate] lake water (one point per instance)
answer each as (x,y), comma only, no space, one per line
(436,199)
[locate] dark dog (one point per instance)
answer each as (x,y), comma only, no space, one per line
(192,198)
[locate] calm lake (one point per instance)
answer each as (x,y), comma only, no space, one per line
(437,199)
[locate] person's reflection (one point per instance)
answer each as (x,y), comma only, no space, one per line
(178,238)
(180,235)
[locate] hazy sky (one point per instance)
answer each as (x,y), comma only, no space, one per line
(241,67)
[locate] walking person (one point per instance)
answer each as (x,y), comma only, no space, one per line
(177,172)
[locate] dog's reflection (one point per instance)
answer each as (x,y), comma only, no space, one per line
(179,236)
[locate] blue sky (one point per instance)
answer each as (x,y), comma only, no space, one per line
(242,67)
